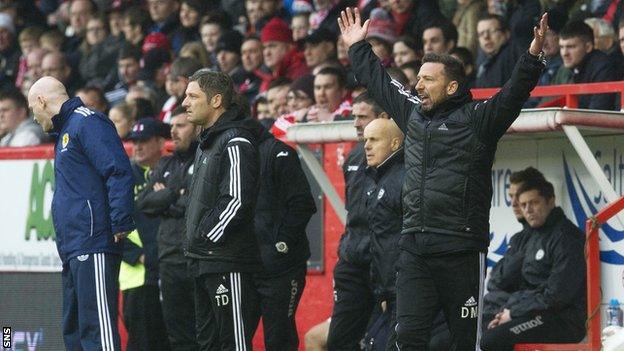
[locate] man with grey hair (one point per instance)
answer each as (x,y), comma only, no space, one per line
(220,237)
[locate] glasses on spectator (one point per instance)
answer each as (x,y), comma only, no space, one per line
(488,33)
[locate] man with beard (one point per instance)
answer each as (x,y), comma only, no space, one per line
(450,147)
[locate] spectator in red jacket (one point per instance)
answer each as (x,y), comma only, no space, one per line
(280,55)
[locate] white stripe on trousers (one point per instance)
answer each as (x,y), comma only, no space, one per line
(239,328)
(106,334)
(480,299)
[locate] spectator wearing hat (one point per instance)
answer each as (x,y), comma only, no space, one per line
(9,52)
(177,80)
(381,35)
(138,274)
(228,52)
(281,58)
(164,15)
(439,36)
(126,74)
(251,57)
(191,12)
(319,47)
(135,25)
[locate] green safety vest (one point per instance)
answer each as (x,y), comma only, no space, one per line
(132,276)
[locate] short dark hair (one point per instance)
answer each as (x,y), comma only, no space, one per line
(178,111)
(577,29)
(97,91)
(502,22)
(415,65)
(16,96)
(411,42)
(463,54)
(453,68)
(398,75)
(449,31)
(127,51)
(339,73)
(136,16)
(366,98)
(184,67)
(543,187)
(526,174)
(213,83)
(278,82)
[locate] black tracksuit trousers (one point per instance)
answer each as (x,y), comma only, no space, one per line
(144,319)
(177,288)
(427,283)
(279,297)
(353,305)
(225,311)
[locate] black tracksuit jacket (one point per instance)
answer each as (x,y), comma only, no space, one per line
(449,151)
(284,206)
(544,270)
(385,210)
(354,244)
(220,234)
(175,172)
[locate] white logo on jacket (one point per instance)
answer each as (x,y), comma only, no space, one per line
(539,254)
(380,194)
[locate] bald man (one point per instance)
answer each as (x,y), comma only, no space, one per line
(91,209)
(384,156)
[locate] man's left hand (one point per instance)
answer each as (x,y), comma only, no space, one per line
(505,317)
(120,236)
(539,32)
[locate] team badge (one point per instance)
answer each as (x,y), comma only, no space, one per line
(380,194)
(65,140)
(539,254)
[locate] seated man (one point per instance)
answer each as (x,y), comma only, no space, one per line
(540,272)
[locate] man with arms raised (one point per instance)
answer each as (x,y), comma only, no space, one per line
(91,209)
(449,151)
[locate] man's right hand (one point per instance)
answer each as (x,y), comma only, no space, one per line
(351,27)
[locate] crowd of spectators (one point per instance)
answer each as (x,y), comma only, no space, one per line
(132,58)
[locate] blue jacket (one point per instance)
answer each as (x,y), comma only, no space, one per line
(93,193)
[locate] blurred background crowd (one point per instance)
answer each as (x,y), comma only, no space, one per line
(132,58)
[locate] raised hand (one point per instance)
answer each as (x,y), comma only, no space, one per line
(351,27)
(539,32)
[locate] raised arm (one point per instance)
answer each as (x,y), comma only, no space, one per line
(387,92)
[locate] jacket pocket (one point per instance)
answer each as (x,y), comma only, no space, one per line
(90,217)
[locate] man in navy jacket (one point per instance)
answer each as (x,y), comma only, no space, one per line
(91,210)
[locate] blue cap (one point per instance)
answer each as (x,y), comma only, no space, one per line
(614,302)
(147,128)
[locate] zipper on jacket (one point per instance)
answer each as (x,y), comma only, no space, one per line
(90,216)
(424,175)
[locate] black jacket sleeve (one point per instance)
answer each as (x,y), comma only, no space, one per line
(156,203)
(507,273)
(294,193)
(563,284)
(238,188)
(494,116)
(603,73)
(387,92)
